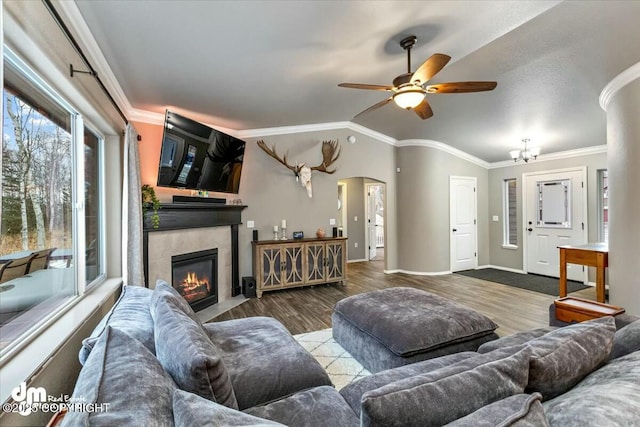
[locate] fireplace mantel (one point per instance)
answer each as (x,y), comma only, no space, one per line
(180,216)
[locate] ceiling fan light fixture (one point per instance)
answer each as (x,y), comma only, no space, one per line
(409,98)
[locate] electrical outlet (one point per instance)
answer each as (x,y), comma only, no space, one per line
(332,221)
(495,218)
(251,224)
(355,245)
(397,170)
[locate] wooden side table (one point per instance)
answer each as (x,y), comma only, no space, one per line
(592,255)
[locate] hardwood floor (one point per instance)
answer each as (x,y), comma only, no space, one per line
(309,309)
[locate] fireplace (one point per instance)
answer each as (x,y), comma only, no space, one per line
(195,277)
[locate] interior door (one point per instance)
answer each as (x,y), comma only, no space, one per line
(371,221)
(463,227)
(555,215)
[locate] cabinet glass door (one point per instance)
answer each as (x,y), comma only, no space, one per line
(293,274)
(315,262)
(271,267)
(335,261)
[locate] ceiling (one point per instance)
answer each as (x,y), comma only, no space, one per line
(261,64)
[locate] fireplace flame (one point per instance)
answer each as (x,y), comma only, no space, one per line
(193,288)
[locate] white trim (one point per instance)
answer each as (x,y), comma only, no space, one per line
(136,115)
(596,149)
(618,82)
(357,260)
(52,337)
(90,47)
(442,147)
(417,273)
(510,247)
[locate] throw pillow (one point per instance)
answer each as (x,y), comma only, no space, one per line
(165,292)
(444,395)
(561,358)
(521,410)
(606,397)
(120,372)
(130,314)
(626,340)
(188,355)
(191,410)
(515,339)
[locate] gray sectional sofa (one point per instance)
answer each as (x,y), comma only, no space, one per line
(155,364)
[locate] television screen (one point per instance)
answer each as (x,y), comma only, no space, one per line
(197,157)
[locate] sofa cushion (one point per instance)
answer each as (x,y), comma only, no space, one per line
(353,392)
(408,321)
(449,393)
(316,407)
(607,397)
(263,360)
(561,358)
(515,339)
(521,410)
(626,340)
(122,373)
(130,314)
(188,355)
(165,292)
(192,410)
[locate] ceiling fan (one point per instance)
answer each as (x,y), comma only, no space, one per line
(409,90)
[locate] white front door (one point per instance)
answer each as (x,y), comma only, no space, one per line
(463,227)
(554,215)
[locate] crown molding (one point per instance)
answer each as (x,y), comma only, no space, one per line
(316,127)
(596,149)
(143,116)
(443,147)
(75,20)
(618,82)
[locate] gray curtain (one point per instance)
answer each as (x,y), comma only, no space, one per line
(132,215)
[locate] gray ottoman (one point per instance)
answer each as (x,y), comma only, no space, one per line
(398,326)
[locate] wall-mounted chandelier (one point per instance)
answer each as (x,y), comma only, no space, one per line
(526,154)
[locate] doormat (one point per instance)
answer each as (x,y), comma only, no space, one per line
(531,282)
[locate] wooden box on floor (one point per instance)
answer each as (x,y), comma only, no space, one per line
(572,309)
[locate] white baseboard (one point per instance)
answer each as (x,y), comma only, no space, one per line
(357,260)
(418,273)
(513,270)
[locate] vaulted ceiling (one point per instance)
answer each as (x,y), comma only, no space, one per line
(259,64)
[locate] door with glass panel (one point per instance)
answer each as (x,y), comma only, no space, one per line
(554,215)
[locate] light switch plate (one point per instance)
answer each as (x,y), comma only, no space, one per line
(355,245)
(355,218)
(332,221)
(495,218)
(251,224)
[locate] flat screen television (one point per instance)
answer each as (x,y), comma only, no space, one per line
(197,157)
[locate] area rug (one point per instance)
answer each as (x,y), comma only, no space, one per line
(340,365)
(531,282)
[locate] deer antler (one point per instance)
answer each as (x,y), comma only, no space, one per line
(272,152)
(329,156)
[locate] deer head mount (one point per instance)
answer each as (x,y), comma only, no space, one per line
(330,153)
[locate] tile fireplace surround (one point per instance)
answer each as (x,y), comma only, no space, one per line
(192,227)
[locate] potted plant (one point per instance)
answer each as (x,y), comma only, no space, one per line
(149,200)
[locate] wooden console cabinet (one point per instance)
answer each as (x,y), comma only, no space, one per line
(280,264)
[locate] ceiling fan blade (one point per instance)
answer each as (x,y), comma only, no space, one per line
(461,87)
(430,68)
(365,86)
(374,106)
(423,110)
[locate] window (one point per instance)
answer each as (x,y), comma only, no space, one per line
(603,206)
(43,159)
(510,223)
